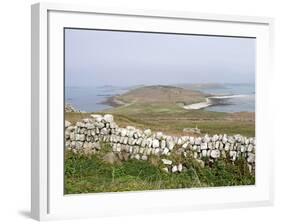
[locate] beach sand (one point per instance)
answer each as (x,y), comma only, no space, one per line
(197,106)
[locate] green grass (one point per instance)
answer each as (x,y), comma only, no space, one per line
(85,174)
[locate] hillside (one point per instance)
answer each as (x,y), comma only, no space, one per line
(159,94)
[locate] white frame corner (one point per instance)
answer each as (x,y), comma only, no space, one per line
(40,177)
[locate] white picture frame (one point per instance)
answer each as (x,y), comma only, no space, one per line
(47,198)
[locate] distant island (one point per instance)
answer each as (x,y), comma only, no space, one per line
(157,94)
(186,97)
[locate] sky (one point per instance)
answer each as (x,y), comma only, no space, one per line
(96,58)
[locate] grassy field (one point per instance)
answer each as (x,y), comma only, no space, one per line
(84,174)
(172,119)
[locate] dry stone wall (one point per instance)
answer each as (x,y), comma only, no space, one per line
(88,135)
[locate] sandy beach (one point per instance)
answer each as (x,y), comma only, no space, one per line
(197,106)
(211,101)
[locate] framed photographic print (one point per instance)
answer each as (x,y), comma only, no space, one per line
(138,111)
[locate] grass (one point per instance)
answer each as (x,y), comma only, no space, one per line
(172,119)
(85,174)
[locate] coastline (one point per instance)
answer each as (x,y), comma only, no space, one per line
(212,101)
(197,106)
(187,101)
(113,102)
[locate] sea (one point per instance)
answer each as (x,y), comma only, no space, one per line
(241,97)
(91,98)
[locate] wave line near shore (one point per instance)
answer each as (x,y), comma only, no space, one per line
(211,101)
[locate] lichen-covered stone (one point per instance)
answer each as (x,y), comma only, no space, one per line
(167,162)
(215,154)
(174,169)
(67,124)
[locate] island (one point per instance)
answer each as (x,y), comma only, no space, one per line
(165,108)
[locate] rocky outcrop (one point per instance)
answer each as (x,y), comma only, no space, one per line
(88,135)
(69,108)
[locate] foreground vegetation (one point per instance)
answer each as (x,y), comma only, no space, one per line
(90,173)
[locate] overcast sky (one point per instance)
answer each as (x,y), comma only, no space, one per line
(94,58)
